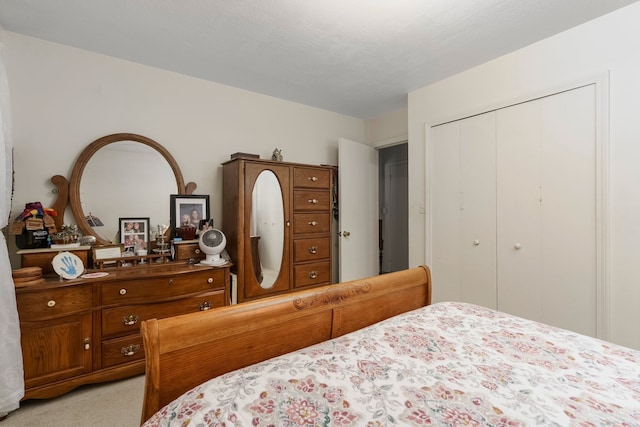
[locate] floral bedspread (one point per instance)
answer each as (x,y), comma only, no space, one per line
(449,364)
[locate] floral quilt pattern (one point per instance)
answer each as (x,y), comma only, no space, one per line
(448,364)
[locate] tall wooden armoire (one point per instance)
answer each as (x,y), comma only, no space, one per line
(277,220)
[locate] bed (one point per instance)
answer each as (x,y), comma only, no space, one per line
(441,364)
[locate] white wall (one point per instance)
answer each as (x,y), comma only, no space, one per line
(610,43)
(64,98)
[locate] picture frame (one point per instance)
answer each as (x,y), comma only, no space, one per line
(134,234)
(187,210)
(99,253)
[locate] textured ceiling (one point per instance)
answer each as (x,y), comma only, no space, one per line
(356,57)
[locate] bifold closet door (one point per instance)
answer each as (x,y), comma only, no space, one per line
(513,205)
(546,175)
(464,210)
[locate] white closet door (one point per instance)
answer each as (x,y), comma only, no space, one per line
(478,209)
(445,213)
(464,200)
(546,210)
(518,210)
(568,285)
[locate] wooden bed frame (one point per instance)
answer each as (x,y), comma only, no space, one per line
(185,351)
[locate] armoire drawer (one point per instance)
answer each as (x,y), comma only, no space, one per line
(311,200)
(311,223)
(132,292)
(311,178)
(122,350)
(50,303)
(127,319)
(311,249)
(312,274)
(184,251)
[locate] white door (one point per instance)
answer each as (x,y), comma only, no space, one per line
(535,191)
(358,210)
(463,193)
(547,210)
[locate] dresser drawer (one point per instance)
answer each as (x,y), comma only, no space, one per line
(50,303)
(311,223)
(157,288)
(311,178)
(187,251)
(312,274)
(126,320)
(311,200)
(311,249)
(122,350)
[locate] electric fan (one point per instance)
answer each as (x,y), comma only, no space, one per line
(212,243)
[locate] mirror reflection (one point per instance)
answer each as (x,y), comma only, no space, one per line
(126,179)
(267,228)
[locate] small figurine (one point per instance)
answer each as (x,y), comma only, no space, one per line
(277,155)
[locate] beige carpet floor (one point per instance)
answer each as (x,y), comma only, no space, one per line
(113,404)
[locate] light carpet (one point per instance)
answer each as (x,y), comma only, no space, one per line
(112,404)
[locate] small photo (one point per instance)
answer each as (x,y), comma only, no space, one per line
(134,234)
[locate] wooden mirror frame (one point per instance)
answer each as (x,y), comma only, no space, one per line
(78,169)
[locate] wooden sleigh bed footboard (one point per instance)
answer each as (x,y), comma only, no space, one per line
(184,351)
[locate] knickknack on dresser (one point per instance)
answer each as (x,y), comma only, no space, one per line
(86,330)
(277,220)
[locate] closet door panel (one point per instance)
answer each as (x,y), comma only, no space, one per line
(445,212)
(478,209)
(569,210)
(518,210)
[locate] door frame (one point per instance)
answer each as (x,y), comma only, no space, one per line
(602,184)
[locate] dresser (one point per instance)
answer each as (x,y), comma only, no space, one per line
(87,330)
(277,218)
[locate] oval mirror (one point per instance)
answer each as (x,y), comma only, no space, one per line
(122,176)
(267,229)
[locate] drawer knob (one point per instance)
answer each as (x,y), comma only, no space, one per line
(313,178)
(129,320)
(313,223)
(123,291)
(171,281)
(51,303)
(313,249)
(197,251)
(130,350)
(210,280)
(87,344)
(313,274)
(313,201)
(205,305)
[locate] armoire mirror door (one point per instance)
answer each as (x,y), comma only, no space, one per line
(266,269)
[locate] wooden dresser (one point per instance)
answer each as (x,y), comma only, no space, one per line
(84,331)
(277,218)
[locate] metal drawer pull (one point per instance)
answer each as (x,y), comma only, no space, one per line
(87,344)
(171,281)
(130,350)
(123,291)
(197,251)
(51,303)
(313,201)
(313,274)
(129,320)
(210,280)
(313,178)
(313,249)
(205,305)
(313,223)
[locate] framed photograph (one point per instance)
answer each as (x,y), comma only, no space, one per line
(188,210)
(134,234)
